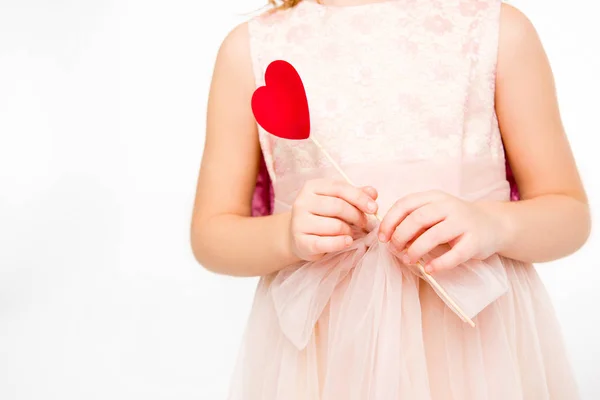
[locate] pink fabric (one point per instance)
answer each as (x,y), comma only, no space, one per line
(514,190)
(401,94)
(263,199)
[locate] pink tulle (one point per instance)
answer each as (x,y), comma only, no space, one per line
(359,324)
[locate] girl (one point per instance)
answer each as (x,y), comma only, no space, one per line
(421,102)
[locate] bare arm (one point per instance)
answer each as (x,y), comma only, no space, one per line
(224,237)
(553,219)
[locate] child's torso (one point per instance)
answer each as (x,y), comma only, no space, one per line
(406,85)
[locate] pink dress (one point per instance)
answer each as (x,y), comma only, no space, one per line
(401,95)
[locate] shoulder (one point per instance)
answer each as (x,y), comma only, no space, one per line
(235,45)
(516,29)
(519,44)
(238,39)
(233,65)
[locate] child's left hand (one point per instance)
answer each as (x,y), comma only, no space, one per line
(420,222)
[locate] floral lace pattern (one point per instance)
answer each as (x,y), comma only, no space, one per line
(420,86)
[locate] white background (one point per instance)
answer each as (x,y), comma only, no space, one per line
(102,107)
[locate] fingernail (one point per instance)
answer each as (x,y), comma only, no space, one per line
(348,241)
(382,237)
(371,206)
(428,268)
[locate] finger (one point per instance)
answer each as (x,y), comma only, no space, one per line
(460,253)
(328,206)
(417,221)
(441,233)
(410,242)
(322,226)
(402,250)
(402,208)
(351,194)
(371,191)
(324,244)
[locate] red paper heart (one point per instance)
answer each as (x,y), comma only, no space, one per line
(281,107)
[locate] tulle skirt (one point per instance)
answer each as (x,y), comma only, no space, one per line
(360,325)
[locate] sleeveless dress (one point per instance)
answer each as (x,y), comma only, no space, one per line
(401,95)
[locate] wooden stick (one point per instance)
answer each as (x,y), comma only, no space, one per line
(331,160)
(444,294)
(440,290)
(419,264)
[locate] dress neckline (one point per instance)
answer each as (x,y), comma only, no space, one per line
(356,4)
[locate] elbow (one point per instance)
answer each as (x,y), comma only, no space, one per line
(573,233)
(200,249)
(581,228)
(586,225)
(205,254)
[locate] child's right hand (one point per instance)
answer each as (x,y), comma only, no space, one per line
(323,214)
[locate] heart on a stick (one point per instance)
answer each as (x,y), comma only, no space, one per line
(281,107)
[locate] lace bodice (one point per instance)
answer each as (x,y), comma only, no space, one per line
(393,81)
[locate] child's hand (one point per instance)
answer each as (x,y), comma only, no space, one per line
(322,216)
(422,221)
